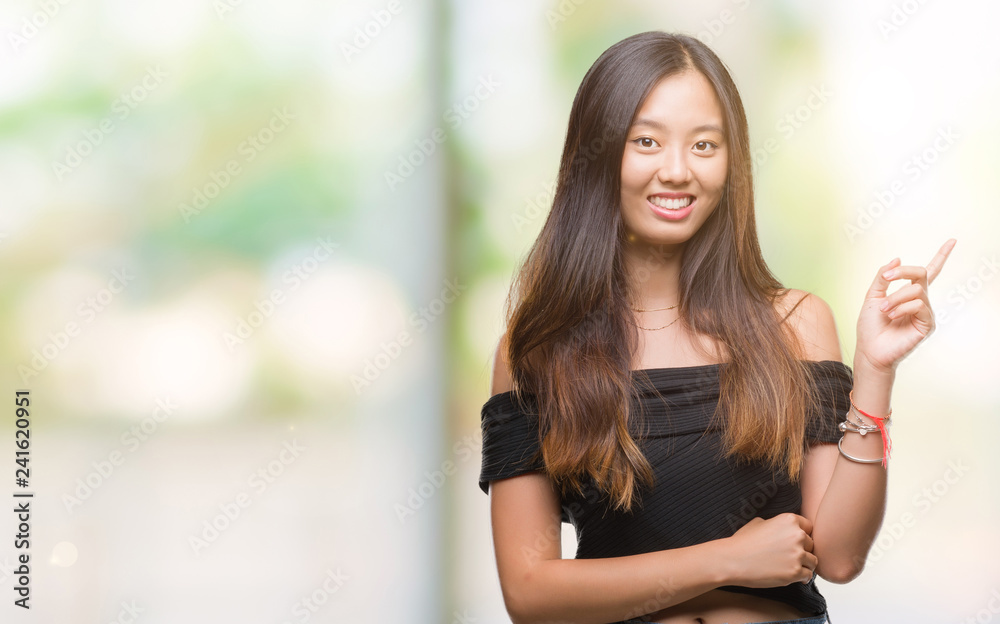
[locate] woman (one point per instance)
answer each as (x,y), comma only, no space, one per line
(659,388)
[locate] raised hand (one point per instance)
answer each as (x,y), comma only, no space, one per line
(891,326)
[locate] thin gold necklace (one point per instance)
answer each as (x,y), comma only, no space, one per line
(656,328)
(656,310)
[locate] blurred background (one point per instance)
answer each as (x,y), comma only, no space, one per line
(253,257)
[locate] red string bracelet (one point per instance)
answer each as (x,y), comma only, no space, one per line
(879,420)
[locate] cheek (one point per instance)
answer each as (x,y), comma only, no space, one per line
(634,176)
(713,175)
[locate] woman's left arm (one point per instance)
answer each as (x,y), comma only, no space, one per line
(846,499)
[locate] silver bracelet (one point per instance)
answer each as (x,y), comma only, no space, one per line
(847,425)
(858,426)
(856,459)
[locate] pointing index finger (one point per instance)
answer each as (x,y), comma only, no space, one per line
(937,262)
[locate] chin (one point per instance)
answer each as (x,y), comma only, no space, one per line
(655,238)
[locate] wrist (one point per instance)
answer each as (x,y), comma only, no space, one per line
(729,571)
(864,367)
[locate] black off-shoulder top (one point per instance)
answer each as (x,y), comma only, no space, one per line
(699,495)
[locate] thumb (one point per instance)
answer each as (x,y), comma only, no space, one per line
(880,285)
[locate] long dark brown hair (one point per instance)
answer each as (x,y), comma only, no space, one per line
(570,335)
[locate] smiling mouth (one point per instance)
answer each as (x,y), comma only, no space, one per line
(671,204)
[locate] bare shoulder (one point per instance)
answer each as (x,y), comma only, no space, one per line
(813,322)
(501,370)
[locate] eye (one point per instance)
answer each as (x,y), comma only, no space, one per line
(646,142)
(709,146)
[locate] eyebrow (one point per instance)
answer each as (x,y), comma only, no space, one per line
(642,121)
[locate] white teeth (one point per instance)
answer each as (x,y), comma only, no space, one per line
(672,204)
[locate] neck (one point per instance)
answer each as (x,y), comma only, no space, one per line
(655,272)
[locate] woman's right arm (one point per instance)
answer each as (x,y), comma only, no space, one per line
(538,585)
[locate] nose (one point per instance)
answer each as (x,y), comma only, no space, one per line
(674,167)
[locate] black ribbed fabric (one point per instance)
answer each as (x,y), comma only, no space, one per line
(699,495)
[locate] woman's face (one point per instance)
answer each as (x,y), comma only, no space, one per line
(675,161)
